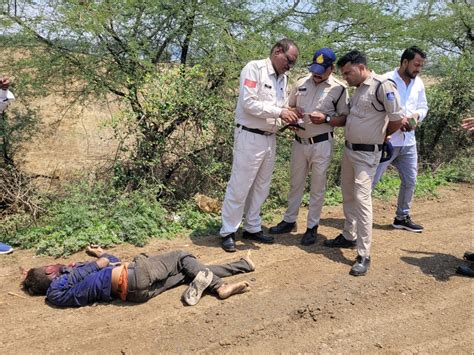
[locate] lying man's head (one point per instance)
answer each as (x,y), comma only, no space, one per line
(38,279)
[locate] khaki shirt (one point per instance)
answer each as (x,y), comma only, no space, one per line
(262,96)
(368,119)
(328,97)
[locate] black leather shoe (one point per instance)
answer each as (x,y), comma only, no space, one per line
(259,237)
(361,266)
(469,256)
(283,227)
(228,243)
(340,242)
(310,236)
(466,270)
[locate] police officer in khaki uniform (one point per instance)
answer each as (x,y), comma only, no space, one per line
(375,112)
(260,110)
(324,102)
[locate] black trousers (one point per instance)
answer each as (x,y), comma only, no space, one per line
(150,276)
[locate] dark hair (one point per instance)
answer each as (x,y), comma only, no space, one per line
(36,281)
(284,44)
(411,52)
(354,57)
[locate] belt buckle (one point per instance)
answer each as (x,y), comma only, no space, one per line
(304,141)
(267,133)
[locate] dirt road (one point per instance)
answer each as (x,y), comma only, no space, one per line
(302,298)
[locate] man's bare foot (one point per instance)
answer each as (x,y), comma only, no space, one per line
(94,250)
(227,290)
(249,261)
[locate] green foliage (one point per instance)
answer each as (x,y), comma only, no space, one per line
(459,170)
(98,214)
(175,67)
(182,134)
(280,186)
(16,127)
(440,137)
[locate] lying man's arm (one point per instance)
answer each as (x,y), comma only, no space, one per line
(83,284)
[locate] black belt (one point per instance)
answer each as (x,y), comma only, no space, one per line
(363,147)
(316,139)
(254,130)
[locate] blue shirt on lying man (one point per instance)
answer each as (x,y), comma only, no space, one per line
(82,284)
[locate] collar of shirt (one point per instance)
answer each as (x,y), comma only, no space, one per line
(326,82)
(271,70)
(309,80)
(369,80)
(396,76)
(404,90)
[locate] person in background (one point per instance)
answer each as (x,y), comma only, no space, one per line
(404,156)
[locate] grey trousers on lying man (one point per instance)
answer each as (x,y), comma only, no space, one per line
(150,276)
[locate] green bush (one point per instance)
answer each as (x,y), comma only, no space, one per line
(181,139)
(98,214)
(459,170)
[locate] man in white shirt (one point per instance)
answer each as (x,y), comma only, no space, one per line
(405,158)
(260,110)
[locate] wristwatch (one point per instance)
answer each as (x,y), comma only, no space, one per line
(327,119)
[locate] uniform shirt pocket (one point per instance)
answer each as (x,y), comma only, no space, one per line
(363,105)
(302,97)
(267,91)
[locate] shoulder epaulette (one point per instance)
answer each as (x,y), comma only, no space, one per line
(381,81)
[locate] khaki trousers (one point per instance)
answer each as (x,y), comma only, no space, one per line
(357,172)
(304,157)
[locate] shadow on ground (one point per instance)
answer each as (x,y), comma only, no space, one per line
(334,254)
(439,265)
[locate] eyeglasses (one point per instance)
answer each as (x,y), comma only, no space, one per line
(291,62)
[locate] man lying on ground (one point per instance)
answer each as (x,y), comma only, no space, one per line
(145,277)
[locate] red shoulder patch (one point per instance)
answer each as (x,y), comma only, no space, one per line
(250,83)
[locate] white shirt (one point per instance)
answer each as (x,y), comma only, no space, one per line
(412,100)
(6,97)
(261,97)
